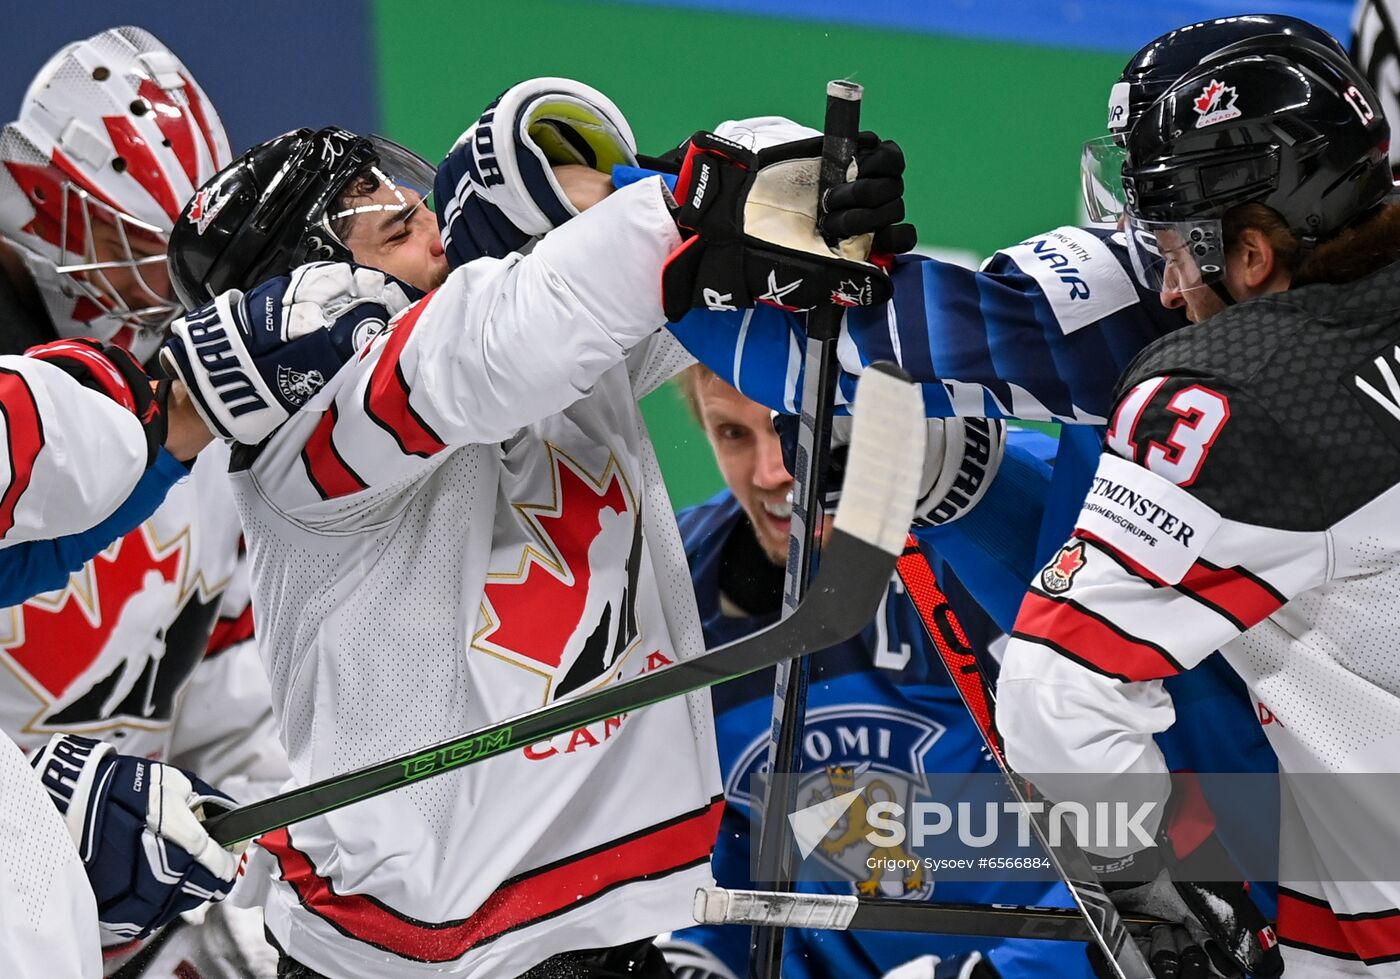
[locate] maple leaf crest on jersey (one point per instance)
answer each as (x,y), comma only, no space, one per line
(566,611)
(1059,574)
(132,624)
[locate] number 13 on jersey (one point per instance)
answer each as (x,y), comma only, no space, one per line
(1168,426)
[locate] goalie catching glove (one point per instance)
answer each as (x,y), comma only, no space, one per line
(496,191)
(754,224)
(137,827)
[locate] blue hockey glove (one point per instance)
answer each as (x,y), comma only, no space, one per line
(496,191)
(250,360)
(137,827)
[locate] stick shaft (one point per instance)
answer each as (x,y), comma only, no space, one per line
(775,852)
(763,649)
(715,905)
(1100,916)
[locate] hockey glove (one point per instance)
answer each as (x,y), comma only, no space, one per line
(960,462)
(117,374)
(755,232)
(879,163)
(496,191)
(137,826)
(250,360)
(1217,929)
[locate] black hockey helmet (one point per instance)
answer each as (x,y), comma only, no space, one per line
(272,209)
(1279,120)
(1149,73)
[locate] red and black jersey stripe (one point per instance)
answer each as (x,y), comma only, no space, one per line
(1234,593)
(386,396)
(329,473)
(24,440)
(1088,638)
(528,899)
(1309,922)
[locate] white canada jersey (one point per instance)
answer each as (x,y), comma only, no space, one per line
(109,654)
(1249,500)
(468,523)
(71,454)
(48,918)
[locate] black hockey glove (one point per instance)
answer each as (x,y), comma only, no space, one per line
(755,234)
(1216,930)
(113,371)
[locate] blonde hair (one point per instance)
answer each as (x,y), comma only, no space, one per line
(688,384)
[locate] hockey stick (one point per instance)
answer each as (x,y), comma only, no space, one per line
(845,912)
(1105,926)
(877,506)
(813,449)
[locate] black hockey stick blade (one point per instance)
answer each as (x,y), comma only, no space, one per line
(877,506)
(845,912)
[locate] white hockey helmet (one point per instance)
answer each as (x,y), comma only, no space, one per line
(113,137)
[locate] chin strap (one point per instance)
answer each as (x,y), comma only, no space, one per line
(1218,287)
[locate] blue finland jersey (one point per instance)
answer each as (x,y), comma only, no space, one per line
(882,699)
(1042,332)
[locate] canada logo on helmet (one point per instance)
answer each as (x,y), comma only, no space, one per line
(1216,103)
(206,207)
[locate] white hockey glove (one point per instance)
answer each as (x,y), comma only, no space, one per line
(496,190)
(960,462)
(137,826)
(250,360)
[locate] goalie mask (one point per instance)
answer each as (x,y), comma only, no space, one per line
(112,138)
(283,204)
(1147,75)
(1280,121)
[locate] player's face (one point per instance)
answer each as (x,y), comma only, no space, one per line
(133,264)
(1182,287)
(399,236)
(750,458)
